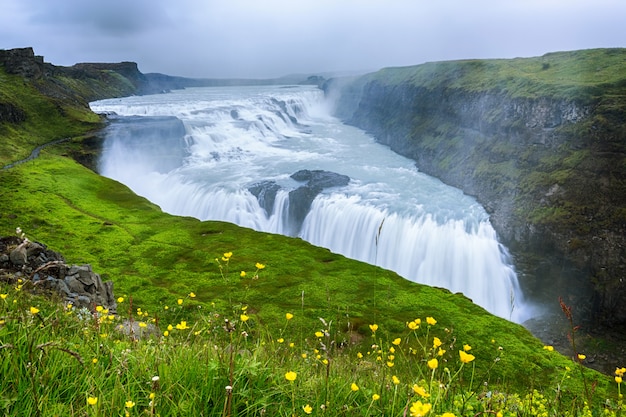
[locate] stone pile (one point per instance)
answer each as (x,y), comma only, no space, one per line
(44,271)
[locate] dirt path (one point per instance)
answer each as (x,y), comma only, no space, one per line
(34,154)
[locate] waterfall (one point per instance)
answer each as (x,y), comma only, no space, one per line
(230,154)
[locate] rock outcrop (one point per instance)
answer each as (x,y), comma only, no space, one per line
(34,267)
(547,161)
(300,198)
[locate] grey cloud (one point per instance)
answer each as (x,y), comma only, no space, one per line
(110,18)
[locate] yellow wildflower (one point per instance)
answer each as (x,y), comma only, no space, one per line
(120,299)
(466,357)
(581,357)
(179,301)
(548,348)
(395,380)
(419,410)
(436,342)
(227,256)
(618,379)
(441,352)
(373,327)
(166,333)
(420,391)
(390,364)
(244,318)
(431,321)
(354,387)
(192,295)
(620,371)
(307,409)
(288,316)
(280,340)
(375,397)
(182,325)
(129,404)
(451,415)
(433,363)
(414,325)
(99,309)
(291,376)
(467,348)
(4,296)
(92,400)
(142,324)
(359,355)
(259,266)
(242,274)
(304,355)
(319,334)
(34,310)
(396,341)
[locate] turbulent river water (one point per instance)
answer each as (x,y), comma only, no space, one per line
(203,152)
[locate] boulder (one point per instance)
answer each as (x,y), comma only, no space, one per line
(265,192)
(48,273)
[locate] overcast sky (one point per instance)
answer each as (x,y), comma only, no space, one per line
(269,38)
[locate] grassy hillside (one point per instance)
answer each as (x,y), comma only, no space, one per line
(573,75)
(156,259)
(46,119)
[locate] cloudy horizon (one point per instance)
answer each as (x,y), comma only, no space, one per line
(251,39)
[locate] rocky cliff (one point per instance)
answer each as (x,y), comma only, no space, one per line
(540,142)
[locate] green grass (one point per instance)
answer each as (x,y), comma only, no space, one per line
(568,75)
(57,360)
(46,119)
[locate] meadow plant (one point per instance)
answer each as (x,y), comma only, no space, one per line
(229,361)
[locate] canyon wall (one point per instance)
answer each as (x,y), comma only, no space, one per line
(540,142)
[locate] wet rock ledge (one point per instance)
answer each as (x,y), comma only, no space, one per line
(43,271)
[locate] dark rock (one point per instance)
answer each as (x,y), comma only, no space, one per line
(11,113)
(265,192)
(22,61)
(48,273)
(18,256)
(301,198)
(321,179)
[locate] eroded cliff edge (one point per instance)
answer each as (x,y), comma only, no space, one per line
(540,142)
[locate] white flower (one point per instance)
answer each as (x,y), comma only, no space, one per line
(229,388)
(155,378)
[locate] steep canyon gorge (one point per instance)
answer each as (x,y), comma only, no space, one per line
(540,142)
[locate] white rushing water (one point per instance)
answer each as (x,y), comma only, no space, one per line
(389,214)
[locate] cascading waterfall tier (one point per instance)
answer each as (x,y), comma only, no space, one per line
(240,155)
